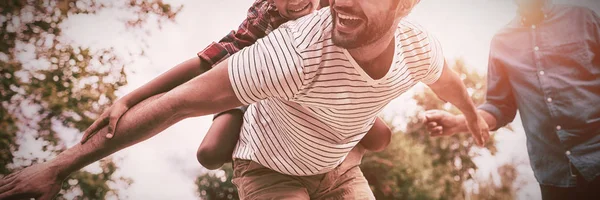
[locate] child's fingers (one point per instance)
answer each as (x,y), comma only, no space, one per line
(94,128)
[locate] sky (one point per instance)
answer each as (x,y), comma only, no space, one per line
(164,167)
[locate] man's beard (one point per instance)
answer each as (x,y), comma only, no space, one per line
(371,33)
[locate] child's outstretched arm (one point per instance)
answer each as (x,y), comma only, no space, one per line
(262,18)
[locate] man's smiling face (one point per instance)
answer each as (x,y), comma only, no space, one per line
(357,23)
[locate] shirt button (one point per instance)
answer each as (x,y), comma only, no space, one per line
(568,153)
(542,73)
(558,128)
(532,26)
(549,100)
(536,48)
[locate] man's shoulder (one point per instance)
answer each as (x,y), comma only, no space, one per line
(572,9)
(309,30)
(408,25)
(412,35)
(575,12)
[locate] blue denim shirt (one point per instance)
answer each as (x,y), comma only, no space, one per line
(550,73)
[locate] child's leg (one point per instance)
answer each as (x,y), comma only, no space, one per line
(378,137)
(220,140)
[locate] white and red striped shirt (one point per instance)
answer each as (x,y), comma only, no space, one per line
(311,102)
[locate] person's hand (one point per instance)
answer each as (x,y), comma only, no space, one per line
(442,123)
(479,129)
(38,181)
(110,117)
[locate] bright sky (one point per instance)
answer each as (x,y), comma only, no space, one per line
(165,167)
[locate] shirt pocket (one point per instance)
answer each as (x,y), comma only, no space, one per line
(574,58)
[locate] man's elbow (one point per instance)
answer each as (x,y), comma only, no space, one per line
(386,138)
(209,158)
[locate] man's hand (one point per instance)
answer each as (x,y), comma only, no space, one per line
(110,117)
(479,129)
(38,181)
(442,123)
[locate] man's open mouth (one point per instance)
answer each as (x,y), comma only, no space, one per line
(347,22)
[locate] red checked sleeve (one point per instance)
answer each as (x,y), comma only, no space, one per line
(262,18)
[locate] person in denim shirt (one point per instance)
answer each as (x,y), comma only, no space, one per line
(546,64)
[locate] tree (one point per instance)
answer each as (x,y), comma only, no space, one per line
(416,166)
(216,185)
(48,83)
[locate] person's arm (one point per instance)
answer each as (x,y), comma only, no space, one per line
(261,19)
(378,137)
(499,109)
(206,94)
(230,84)
(219,142)
(459,97)
(449,87)
(259,22)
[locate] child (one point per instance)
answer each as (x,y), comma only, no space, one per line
(221,138)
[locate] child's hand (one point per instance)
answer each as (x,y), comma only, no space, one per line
(110,117)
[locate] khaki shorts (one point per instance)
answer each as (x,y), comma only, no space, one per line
(346,181)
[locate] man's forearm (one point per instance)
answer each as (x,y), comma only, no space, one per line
(140,123)
(206,94)
(458,95)
(176,76)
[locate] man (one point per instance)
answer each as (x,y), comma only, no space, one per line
(315,85)
(546,65)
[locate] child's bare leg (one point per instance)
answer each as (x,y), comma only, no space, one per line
(378,137)
(220,140)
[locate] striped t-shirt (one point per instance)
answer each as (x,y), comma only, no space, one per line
(311,102)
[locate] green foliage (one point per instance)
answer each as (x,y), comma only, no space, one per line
(46,82)
(402,171)
(216,185)
(506,190)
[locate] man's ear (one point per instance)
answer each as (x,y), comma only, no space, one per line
(405,7)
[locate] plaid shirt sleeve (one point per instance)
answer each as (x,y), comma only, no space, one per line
(262,18)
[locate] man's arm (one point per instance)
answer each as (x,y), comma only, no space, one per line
(498,110)
(460,98)
(251,75)
(208,93)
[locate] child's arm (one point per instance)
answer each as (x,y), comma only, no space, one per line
(378,137)
(262,18)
